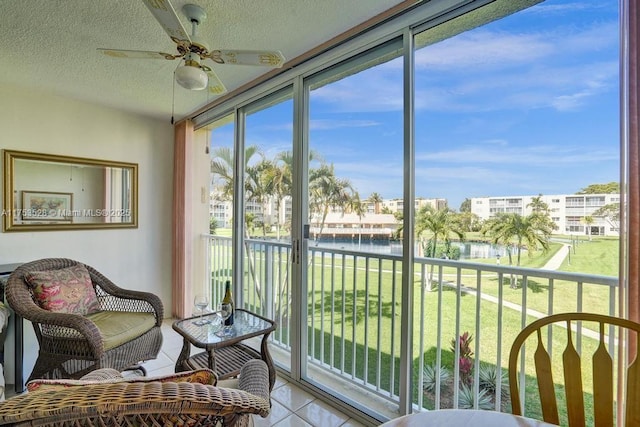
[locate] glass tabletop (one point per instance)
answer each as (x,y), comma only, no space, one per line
(245,325)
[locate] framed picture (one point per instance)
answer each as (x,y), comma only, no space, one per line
(46,206)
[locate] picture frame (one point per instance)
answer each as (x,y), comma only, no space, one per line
(46,206)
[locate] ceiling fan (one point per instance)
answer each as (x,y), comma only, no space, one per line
(194,75)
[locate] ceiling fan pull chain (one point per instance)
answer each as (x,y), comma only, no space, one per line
(173,96)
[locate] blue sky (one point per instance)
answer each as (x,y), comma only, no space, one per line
(522,106)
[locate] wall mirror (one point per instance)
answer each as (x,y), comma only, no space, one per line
(51,192)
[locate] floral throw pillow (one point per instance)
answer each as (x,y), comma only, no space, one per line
(67,290)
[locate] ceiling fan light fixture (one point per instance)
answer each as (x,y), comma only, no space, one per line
(191,77)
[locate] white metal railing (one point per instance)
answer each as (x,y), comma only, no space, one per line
(354,312)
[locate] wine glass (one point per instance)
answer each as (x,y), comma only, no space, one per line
(225,310)
(201,301)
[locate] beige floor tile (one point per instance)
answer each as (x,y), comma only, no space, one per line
(292,397)
(162,361)
(318,413)
(352,423)
(293,421)
(278,413)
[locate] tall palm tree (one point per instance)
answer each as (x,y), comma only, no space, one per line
(260,185)
(376,199)
(538,205)
(356,206)
(588,221)
(327,192)
(441,224)
(222,165)
(282,175)
(511,229)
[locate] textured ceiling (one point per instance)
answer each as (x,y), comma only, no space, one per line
(50,45)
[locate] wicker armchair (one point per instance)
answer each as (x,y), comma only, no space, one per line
(103,398)
(71,345)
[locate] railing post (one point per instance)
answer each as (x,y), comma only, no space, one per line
(208,271)
(268,281)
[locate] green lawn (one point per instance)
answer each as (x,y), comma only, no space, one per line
(356,320)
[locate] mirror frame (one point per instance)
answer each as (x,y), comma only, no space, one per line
(10,157)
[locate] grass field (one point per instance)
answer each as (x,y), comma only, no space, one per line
(355,324)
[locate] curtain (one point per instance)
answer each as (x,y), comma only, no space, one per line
(182,218)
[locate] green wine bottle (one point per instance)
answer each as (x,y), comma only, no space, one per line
(228,299)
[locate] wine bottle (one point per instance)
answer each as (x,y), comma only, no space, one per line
(228,299)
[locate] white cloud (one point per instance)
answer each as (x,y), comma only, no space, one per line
(481,49)
(547,9)
(487,70)
(531,156)
(338,124)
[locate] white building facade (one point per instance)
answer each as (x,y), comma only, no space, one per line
(568,211)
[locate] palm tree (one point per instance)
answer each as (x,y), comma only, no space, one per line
(327,192)
(441,224)
(282,176)
(376,199)
(222,166)
(356,206)
(588,220)
(512,229)
(538,205)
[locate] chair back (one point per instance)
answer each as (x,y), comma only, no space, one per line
(19,294)
(584,332)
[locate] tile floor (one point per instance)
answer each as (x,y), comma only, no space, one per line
(291,406)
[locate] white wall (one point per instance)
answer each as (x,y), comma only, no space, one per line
(134,258)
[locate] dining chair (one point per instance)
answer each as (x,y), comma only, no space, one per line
(605,331)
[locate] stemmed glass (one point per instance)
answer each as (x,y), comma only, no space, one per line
(224,312)
(201,301)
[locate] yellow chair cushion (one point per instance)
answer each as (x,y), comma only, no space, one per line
(119,327)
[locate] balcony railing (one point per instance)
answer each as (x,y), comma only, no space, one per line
(354,307)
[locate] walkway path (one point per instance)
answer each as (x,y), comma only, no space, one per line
(558,258)
(553,264)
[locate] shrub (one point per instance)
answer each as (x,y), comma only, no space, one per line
(430,374)
(488,377)
(465,361)
(466,395)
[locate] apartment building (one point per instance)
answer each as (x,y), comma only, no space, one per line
(568,211)
(397,205)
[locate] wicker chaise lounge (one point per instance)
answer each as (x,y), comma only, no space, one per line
(104,398)
(119,329)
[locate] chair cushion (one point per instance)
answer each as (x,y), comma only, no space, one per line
(66,290)
(120,327)
(200,376)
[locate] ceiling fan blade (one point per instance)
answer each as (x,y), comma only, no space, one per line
(165,14)
(144,54)
(264,58)
(215,86)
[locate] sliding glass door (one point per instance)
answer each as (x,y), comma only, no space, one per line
(354,252)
